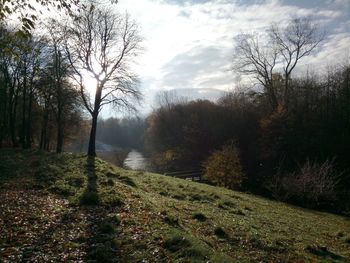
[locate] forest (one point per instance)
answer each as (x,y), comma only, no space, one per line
(297,154)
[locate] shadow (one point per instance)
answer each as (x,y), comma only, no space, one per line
(324,253)
(90,196)
(43,223)
(90,171)
(101,225)
(87,232)
(55,236)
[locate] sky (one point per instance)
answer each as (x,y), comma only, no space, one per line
(188,45)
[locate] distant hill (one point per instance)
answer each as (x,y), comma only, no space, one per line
(68,207)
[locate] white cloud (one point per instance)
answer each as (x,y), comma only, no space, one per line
(189,43)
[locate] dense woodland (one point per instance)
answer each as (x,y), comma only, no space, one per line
(44,75)
(39,106)
(309,139)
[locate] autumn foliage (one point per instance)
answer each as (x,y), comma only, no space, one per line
(224,168)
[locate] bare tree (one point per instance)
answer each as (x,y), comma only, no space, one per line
(278,54)
(104,44)
(297,40)
(253,58)
(168,98)
(65,98)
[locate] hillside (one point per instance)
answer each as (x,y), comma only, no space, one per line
(69,208)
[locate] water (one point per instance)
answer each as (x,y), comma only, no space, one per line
(135,161)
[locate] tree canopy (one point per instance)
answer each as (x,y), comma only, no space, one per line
(27,13)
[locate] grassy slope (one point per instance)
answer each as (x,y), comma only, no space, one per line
(70,208)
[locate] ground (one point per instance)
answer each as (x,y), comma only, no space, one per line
(70,208)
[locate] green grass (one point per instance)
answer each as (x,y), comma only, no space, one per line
(150,217)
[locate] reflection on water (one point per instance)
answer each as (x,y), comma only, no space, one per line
(135,161)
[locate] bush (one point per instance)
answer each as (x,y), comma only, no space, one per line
(224,167)
(312,184)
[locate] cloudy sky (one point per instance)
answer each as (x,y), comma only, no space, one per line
(189,44)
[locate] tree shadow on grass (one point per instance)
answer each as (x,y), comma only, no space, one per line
(97,224)
(85,231)
(102,222)
(90,196)
(324,253)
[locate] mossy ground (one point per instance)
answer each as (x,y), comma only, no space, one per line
(75,208)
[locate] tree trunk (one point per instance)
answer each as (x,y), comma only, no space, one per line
(58,87)
(92,139)
(43,130)
(59,145)
(12,104)
(272,96)
(285,99)
(23,125)
(3,109)
(48,138)
(13,117)
(29,121)
(97,104)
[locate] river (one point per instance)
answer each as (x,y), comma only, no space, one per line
(135,161)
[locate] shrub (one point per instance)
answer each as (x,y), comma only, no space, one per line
(224,167)
(312,184)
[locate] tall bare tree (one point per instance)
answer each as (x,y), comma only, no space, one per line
(259,60)
(104,45)
(297,40)
(65,98)
(277,55)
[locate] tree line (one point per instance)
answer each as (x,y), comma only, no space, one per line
(290,134)
(272,147)
(44,76)
(37,100)
(127,133)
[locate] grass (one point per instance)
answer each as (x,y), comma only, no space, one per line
(134,217)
